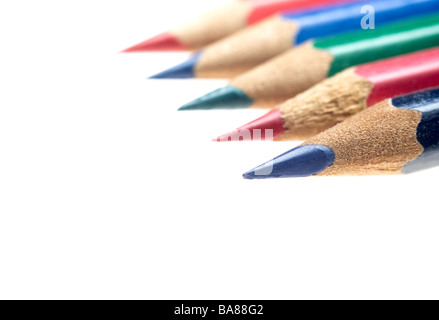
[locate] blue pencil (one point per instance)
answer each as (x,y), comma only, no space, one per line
(396,136)
(247,49)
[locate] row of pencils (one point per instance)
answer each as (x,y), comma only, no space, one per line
(357,80)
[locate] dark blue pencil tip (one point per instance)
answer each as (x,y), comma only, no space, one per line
(226,98)
(303,161)
(186,70)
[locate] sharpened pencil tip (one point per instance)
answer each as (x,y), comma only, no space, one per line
(246,176)
(266,128)
(303,161)
(186,70)
(162,42)
(226,98)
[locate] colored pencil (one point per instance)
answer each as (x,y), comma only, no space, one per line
(342,96)
(249,48)
(299,69)
(220,23)
(396,136)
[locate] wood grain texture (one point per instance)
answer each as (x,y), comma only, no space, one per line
(239,53)
(214,25)
(323,106)
(379,140)
(286,76)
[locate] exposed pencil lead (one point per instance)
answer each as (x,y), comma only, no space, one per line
(267,127)
(185,70)
(226,98)
(303,161)
(162,42)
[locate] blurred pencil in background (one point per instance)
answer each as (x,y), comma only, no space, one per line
(299,69)
(342,96)
(220,23)
(396,136)
(247,49)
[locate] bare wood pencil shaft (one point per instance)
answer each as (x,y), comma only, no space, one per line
(306,67)
(365,149)
(324,105)
(237,54)
(226,24)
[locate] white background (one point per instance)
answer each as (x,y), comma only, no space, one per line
(107,192)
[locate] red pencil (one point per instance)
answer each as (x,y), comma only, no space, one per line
(342,96)
(222,22)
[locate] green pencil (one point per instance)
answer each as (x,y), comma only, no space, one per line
(299,69)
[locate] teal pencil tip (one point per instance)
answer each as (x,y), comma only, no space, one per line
(226,98)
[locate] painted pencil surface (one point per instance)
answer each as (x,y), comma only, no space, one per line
(220,23)
(396,136)
(342,96)
(249,48)
(299,69)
